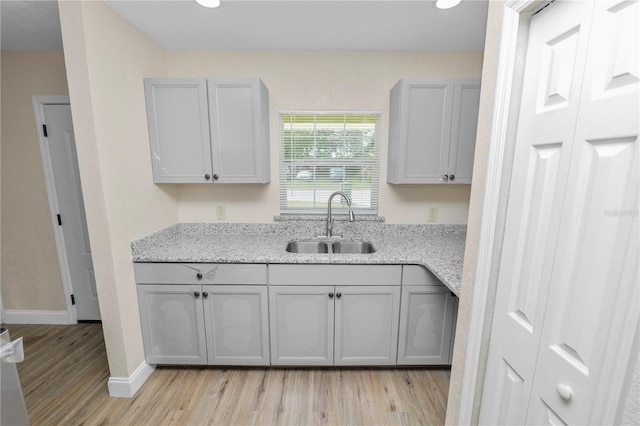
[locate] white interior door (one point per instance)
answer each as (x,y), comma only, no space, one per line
(568,268)
(64,163)
(591,318)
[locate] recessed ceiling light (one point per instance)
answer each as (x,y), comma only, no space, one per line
(209,3)
(447,4)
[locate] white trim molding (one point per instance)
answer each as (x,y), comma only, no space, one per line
(513,11)
(37,317)
(38,108)
(126,387)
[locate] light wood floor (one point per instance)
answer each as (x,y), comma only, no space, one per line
(64,379)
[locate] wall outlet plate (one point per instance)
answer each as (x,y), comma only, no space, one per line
(433,214)
(221,212)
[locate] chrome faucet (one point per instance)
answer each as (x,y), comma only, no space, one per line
(352,217)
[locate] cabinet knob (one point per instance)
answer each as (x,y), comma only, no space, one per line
(565,392)
(331,295)
(196,294)
(199,275)
(445,178)
(452,177)
(205,294)
(215,176)
(207,176)
(338,295)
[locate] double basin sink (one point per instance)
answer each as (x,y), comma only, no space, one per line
(344,247)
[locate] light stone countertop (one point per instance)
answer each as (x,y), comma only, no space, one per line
(440,248)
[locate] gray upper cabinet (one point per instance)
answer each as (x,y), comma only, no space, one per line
(432,130)
(208,130)
(178,118)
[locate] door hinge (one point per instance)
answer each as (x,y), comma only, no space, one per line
(73,299)
(59,220)
(44,130)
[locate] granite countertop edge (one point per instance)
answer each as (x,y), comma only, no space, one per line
(438,247)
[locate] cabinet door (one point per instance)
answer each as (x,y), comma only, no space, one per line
(301,320)
(421,143)
(237,324)
(239,131)
(178,121)
(172,318)
(464,121)
(366,330)
(426,321)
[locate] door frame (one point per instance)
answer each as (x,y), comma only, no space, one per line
(516,17)
(39,103)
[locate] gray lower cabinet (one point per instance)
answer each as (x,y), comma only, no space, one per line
(173,326)
(334,314)
(334,325)
(427,317)
(222,321)
(227,314)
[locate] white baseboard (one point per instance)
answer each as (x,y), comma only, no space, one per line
(126,387)
(37,317)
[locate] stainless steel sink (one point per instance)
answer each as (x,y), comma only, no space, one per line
(307,247)
(353,247)
(337,247)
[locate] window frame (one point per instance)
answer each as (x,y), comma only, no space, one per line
(285,169)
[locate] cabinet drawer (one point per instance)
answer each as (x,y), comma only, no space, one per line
(419,275)
(335,274)
(212,273)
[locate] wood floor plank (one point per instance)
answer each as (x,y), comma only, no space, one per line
(65,372)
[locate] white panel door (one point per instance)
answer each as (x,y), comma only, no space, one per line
(591,319)
(366,325)
(178,119)
(567,303)
(553,75)
(466,103)
(301,325)
(72,219)
(172,319)
(237,324)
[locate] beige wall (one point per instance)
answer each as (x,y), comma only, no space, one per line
(325,81)
(30,272)
(107,60)
(489,71)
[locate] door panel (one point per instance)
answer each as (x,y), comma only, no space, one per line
(172,319)
(557,48)
(366,325)
(428,127)
(178,129)
(585,329)
(68,191)
(592,315)
(237,324)
(425,325)
(463,129)
(301,319)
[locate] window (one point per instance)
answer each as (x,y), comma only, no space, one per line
(326,152)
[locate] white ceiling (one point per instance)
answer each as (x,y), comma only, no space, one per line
(29,25)
(268,24)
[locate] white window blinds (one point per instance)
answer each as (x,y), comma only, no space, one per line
(326,152)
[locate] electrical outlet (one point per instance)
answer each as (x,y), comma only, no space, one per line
(221,212)
(433,214)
